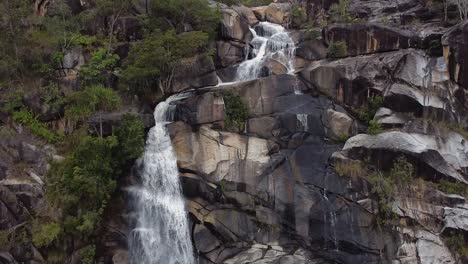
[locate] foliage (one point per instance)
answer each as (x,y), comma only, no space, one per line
(236,111)
(4,240)
(339,12)
(93,98)
(176,14)
(13,101)
(99,67)
(457,128)
(44,234)
(312,33)
(452,187)
(383,188)
(37,128)
(151,62)
(131,135)
(87,254)
(52,97)
(374,128)
(457,243)
(368,112)
(402,172)
(350,169)
(337,49)
(298,15)
(83,183)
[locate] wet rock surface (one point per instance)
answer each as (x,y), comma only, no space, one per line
(274,191)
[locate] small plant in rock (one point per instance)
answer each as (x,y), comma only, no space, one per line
(87,254)
(337,49)
(339,12)
(44,234)
(452,187)
(457,243)
(402,171)
(236,111)
(367,112)
(374,128)
(350,169)
(37,128)
(298,16)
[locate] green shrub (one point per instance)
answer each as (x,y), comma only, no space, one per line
(298,15)
(236,112)
(4,240)
(452,187)
(13,101)
(367,112)
(339,12)
(131,136)
(374,128)
(37,128)
(151,62)
(52,97)
(99,68)
(87,254)
(44,234)
(457,243)
(176,14)
(383,188)
(94,98)
(350,169)
(402,172)
(337,49)
(83,183)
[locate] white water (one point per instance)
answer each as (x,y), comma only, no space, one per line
(161,235)
(271,41)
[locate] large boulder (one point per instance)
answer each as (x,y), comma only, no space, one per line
(366,38)
(229,53)
(215,154)
(234,26)
(246,13)
(312,50)
(278,13)
(444,158)
(193,73)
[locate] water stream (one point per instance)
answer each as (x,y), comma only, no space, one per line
(161,234)
(270,42)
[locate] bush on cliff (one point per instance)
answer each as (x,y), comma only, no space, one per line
(152,62)
(236,112)
(176,15)
(337,49)
(83,183)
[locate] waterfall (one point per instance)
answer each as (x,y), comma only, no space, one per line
(161,234)
(270,41)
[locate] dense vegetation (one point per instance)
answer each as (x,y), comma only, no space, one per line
(39,49)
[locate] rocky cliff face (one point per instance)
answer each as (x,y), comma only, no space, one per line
(298,184)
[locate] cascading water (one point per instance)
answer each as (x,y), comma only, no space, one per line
(161,234)
(271,41)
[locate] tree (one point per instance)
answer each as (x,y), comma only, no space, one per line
(100,66)
(151,62)
(114,10)
(94,98)
(177,14)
